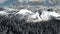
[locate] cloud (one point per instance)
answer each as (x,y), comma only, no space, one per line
(53,2)
(2,1)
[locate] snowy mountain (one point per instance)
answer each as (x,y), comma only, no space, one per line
(30,16)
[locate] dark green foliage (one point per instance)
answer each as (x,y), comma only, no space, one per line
(16,26)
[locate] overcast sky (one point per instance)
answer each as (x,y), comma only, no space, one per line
(8,2)
(5,2)
(2,1)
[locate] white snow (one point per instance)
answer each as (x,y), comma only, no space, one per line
(3,13)
(54,14)
(24,11)
(30,16)
(34,16)
(46,15)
